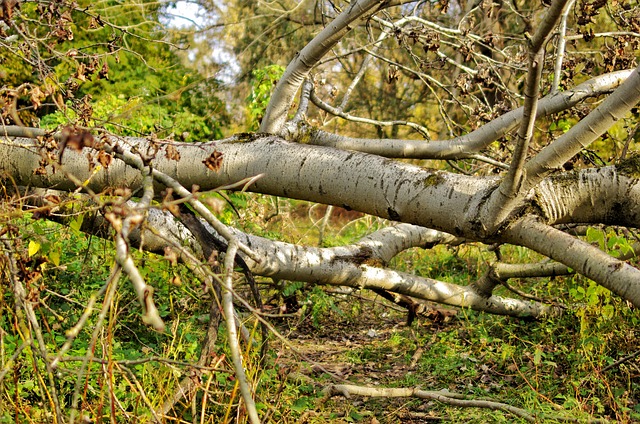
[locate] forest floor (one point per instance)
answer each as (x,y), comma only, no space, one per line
(372,346)
(557,369)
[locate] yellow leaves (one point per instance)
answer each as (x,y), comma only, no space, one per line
(76,223)
(33,248)
(50,252)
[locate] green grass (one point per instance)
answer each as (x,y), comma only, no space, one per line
(560,366)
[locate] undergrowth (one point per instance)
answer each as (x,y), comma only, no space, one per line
(563,366)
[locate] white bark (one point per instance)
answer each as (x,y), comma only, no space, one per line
(468,144)
(593,196)
(371,184)
(511,190)
(431,199)
(276,114)
(351,266)
(381,187)
(443,396)
(614,274)
(615,107)
(232,333)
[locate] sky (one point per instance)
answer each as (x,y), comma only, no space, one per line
(184,14)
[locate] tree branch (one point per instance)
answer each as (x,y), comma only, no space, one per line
(276,114)
(466,145)
(613,274)
(443,396)
(510,191)
(232,333)
(612,109)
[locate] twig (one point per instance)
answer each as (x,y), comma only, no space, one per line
(133,160)
(446,397)
(73,332)
(562,41)
(21,300)
(507,195)
(111,285)
(123,228)
(275,116)
(621,360)
(232,332)
(339,112)
(10,361)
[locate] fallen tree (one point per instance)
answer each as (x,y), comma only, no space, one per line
(530,198)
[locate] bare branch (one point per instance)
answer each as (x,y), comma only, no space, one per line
(276,114)
(506,197)
(612,109)
(232,332)
(40,348)
(562,41)
(443,396)
(613,274)
(466,145)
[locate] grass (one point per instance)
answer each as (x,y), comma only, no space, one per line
(561,366)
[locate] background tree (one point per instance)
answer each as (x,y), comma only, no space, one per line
(491,127)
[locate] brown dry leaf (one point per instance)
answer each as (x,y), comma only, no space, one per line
(171,255)
(173,208)
(37,96)
(66,16)
(52,198)
(214,161)
(104,71)
(392,74)
(76,139)
(80,72)
(172,153)
(104,159)
(6,11)
(95,23)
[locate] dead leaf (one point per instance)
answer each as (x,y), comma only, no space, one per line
(80,72)
(171,255)
(52,198)
(104,71)
(6,11)
(393,74)
(104,159)
(36,97)
(172,153)
(214,161)
(76,139)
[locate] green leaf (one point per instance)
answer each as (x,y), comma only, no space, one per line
(301,404)
(595,236)
(54,256)
(76,223)
(537,356)
(608,311)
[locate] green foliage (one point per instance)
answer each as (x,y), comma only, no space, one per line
(112,66)
(134,117)
(263,82)
(319,305)
(563,125)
